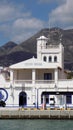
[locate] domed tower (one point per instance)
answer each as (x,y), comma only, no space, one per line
(41,44)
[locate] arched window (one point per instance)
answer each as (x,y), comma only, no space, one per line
(55,59)
(50,59)
(45,58)
(46,45)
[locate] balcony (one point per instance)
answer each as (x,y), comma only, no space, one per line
(36,83)
(65,85)
(61,85)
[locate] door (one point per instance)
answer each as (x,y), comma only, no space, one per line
(22,99)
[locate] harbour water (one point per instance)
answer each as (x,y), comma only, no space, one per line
(36,124)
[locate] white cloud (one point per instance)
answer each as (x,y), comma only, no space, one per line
(9,11)
(21,29)
(24,28)
(30,23)
(63,15)
(16,23)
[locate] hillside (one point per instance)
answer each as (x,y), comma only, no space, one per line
(11,53)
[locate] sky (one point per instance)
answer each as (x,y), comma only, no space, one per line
(20,19)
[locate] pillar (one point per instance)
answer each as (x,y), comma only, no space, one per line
(11,76)
(33,82)
(56,75)
(11,87)
(33,76)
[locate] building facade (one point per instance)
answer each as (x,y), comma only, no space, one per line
(40,81)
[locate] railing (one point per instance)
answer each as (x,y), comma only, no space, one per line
(44,81)
(50,84)
(34,82)
(67,83)
(22,81)
(52,46)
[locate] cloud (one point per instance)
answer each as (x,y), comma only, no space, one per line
(21,29)
(30,23)
(25,28)
(10,11)
(16,23)
(63,15)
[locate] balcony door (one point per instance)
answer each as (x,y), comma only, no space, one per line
(47,76)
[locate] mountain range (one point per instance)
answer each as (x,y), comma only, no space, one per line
(11,52)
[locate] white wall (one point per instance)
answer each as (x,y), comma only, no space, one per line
(2,78)
(16,96)
(50,50)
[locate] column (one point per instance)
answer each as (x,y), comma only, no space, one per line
(56,75)
(11,76)
(33,76)
(44,102)
(37,94)
(11,87)
(33,82)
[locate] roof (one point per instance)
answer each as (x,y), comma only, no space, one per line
(31,64)
(42,38)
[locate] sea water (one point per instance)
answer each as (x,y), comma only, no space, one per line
(36,124)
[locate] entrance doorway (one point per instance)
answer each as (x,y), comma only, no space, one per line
(46,97)
(22,99)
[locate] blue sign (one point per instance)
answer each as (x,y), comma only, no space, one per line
(3,94)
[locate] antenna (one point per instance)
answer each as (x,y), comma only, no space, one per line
(61,35)
(49,25)
(49,30)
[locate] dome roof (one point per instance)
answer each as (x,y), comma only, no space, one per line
(42,37)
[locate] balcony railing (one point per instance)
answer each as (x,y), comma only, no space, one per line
(22,81)
(52,46)
(33,82)
(61,85)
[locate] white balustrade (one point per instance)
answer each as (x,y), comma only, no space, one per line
(66,85)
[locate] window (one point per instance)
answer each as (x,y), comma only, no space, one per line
(50,59)
(68,99)
(47,76)
(46,45)
(55,59)
(44,58)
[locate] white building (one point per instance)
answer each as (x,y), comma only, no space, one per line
(40,80)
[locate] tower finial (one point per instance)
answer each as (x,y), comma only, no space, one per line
(61,37)
(49,25)
(49,30)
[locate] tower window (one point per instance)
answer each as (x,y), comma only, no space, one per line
(50,59)
(46,45)
(45,58)
(55,59)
